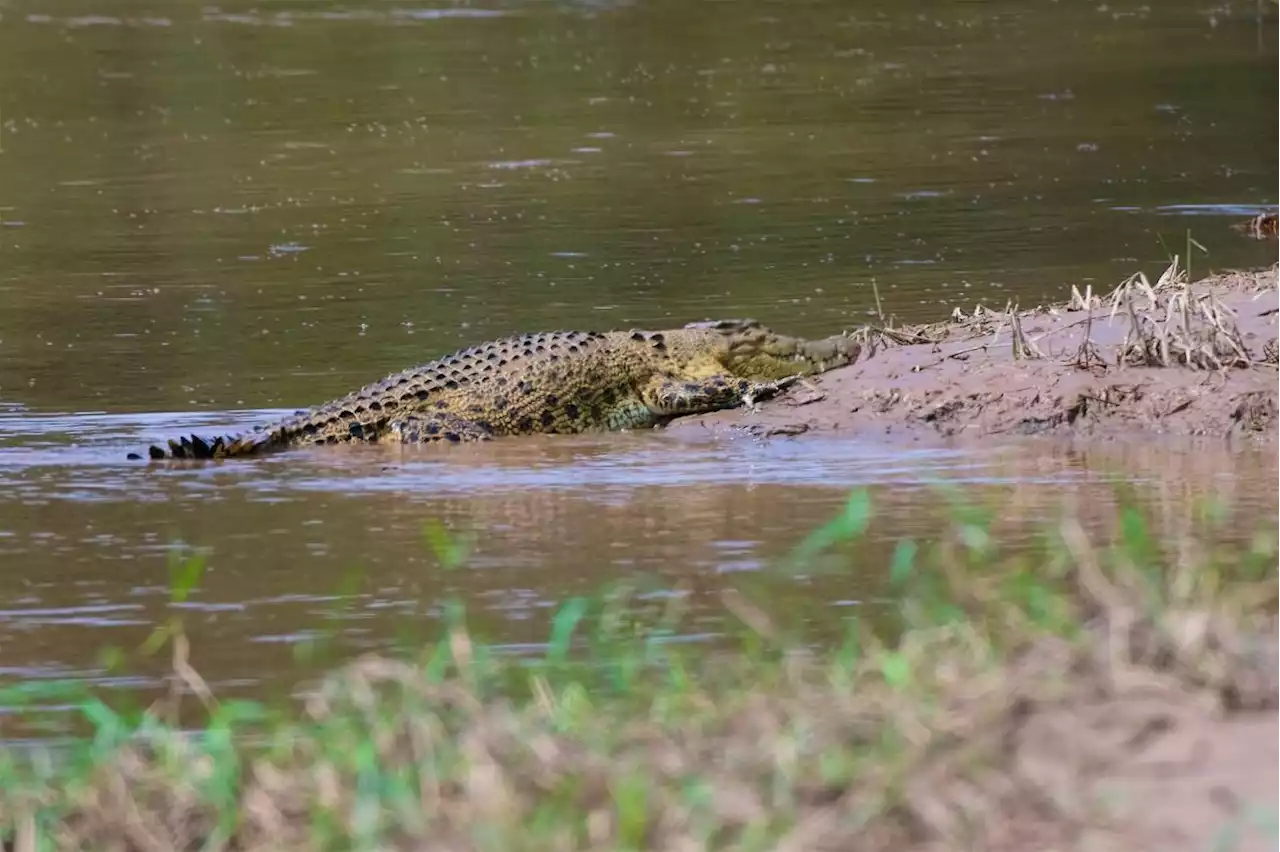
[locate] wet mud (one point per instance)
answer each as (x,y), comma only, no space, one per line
(1169,357)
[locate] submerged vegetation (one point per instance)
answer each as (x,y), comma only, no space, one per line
(994,718)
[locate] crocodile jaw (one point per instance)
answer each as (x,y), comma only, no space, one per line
(828,353)
(780,357)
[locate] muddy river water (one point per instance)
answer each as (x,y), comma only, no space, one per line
(210,214)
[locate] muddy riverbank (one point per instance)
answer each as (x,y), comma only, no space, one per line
(1167,357)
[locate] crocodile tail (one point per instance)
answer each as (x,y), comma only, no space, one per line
(220,447)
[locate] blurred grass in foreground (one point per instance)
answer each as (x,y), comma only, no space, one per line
(617,738)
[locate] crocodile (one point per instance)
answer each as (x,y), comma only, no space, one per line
(1264,226)
(550,382)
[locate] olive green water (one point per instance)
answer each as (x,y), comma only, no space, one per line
(208,213)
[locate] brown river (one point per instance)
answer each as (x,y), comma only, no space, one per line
(211,214)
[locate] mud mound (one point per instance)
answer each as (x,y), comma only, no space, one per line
(1171,357)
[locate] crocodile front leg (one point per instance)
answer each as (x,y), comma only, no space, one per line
(436,427)
(670,397)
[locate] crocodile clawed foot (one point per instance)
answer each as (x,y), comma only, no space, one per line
(813,394)
(764,390)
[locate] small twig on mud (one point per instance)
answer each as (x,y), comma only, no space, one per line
(1138,281)
(1085,302)
(979,322)
(1088,356)
(902,336)
(961,352)
(1222,320)
(1023,347)
(995,334)
(1051,332)
(1176,322)
(1134,335)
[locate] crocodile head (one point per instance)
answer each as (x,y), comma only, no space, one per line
(746,348)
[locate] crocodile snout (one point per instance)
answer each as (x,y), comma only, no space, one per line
(831,352)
